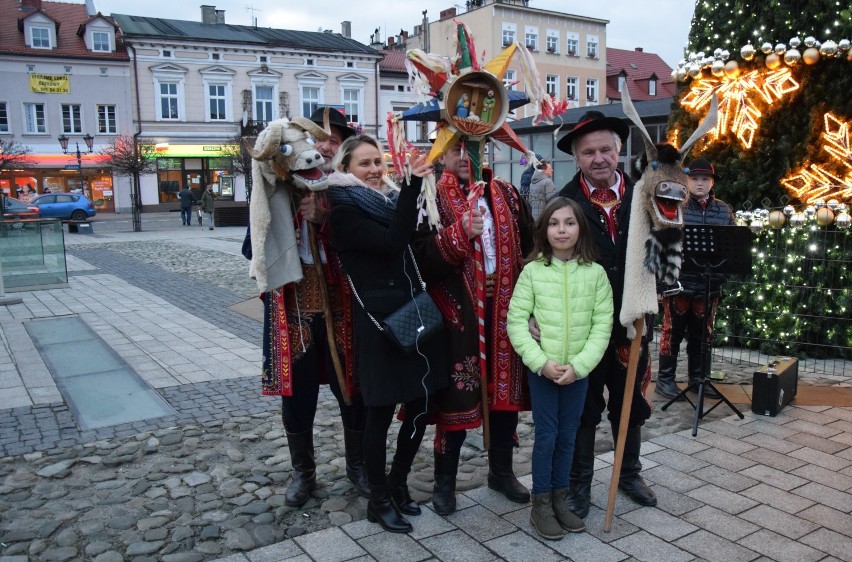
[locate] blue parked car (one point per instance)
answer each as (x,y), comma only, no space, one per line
(66,206)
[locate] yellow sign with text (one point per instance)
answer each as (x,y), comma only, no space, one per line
(50,83)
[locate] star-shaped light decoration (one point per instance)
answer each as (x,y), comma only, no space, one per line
(832,180)
(740,100)
(469,101)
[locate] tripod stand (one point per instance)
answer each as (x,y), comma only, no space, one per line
(708,249)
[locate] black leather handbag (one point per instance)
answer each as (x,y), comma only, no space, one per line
(412,324)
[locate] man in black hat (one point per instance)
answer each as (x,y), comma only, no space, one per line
(684,314)
(297,359)
(604,192)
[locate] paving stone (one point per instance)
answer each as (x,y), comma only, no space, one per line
(330,544)
(728,502)
(644,546)
(707,546)
(481,524)
(720,523)
(782,549)
(456,546)
(779,499)
(659,523)
(836,544)
(790,526)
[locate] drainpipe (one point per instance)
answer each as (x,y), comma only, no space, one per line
(135,196)
(378,109)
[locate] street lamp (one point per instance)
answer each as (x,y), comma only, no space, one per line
(89,140)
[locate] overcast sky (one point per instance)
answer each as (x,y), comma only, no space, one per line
(659,26)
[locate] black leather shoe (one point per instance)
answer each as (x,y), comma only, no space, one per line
(398,487)
(381,510)
(444,492)
(638,491)
(304,480)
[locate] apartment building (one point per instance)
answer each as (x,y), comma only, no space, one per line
(569,50)
(199,85)
(65,79)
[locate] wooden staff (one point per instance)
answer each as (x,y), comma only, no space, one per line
(626,405)
(329,318)
(483,356)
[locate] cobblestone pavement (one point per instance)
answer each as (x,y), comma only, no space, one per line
(208,482)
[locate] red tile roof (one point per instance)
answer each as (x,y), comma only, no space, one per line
(637,67)
(394,61)
(69,44)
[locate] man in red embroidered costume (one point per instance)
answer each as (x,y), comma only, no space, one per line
(296,355)
(501,221)
(605,194)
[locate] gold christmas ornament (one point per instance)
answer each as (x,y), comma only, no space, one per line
(732,69)
(811,55)
(772,61)
(777,218)
(792,57)
(849,55)
(747,52)
(843,221)
(824,216)
(828,49)
(798,219)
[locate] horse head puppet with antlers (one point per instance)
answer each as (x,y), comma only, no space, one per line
(285,166)
(656,219)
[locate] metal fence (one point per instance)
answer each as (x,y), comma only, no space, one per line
(796,301)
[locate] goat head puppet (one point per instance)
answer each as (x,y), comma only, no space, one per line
(285,166)
(654,239)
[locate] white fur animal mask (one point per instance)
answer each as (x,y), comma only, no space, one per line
(285,161)
(656,220)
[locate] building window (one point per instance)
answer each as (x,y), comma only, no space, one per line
(309,62)
(72,118)
(263,101)
(100,41)
(592,46)
(552,85)
(571,88)
(104,71)
(40,37)
(215,56)
(591,89)
(169,101)
(352,104)
(264,58)
(310,99)
(4,118)
(552,44)
(652,87)
(509,79)
(107,124)
(167,54)
(531,38)
(217,102)
(509,31)
(621,80)
(572,44)
(34,119)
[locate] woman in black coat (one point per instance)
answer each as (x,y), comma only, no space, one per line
(371,225)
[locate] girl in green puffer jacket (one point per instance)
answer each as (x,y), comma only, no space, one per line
(570,298)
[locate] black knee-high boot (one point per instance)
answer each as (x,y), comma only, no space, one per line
(304,480)
(444,492)
(666,377)
(352,442)
(502,478)
(582,471)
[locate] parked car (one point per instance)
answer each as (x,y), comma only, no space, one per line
(66,206)
(14,208)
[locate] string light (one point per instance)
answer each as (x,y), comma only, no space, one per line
(832,180)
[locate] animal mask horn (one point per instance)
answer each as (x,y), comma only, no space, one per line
(631,113)
(706,125)
(310,127)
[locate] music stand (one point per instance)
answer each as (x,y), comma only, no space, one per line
(707,249)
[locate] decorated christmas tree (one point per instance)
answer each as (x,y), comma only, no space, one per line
(782,72)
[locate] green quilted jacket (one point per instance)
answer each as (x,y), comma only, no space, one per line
(572,304)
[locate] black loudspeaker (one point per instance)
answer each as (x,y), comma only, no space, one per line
(774,386)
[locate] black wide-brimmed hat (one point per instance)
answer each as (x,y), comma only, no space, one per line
(701,167)
(335,117)
(590,122)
